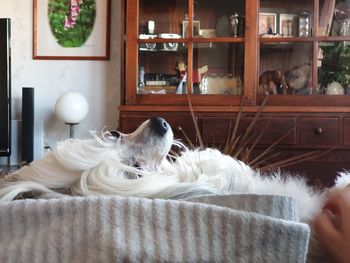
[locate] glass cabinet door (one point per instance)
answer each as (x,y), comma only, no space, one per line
(218,50)
(199,55)
(161,19)
(286,48)
(304,47)
(333,52)
(162,59)
(286,18)
(285,69)
(333,68)
(218,68)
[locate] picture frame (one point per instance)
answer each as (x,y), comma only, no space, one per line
(195,31)
(288,24)
(71,30)
(267,23)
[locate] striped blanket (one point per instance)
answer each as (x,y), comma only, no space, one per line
(234,228)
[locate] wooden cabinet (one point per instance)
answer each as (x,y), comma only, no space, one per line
(219,55)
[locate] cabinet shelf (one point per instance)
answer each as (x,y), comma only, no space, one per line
(193,40)
(286,39)
(303,39)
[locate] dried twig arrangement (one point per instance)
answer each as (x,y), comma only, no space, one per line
(243,146)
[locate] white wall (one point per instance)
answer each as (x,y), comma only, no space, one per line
(98,81)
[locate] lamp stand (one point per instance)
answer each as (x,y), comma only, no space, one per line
(71,129)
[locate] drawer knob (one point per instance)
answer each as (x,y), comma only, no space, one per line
(179,128)
(318,131)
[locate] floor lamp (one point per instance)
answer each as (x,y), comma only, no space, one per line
(71,107)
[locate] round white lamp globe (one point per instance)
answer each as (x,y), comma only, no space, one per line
(71,107)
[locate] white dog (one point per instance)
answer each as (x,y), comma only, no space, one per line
(135,164)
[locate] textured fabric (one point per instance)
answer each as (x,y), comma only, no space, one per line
(271,205)
(113,229)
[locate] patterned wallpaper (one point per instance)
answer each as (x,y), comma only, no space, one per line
(98,81)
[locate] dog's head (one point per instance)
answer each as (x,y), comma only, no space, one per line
(114,154)
(147,146)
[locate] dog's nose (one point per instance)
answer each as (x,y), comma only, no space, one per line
(159,125)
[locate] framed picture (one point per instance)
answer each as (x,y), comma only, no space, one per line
(71,29)
(288,25)
(267,23)
(196,28)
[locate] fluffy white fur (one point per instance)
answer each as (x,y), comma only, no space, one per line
(106,166)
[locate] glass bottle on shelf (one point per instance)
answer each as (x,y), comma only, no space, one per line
(305,24)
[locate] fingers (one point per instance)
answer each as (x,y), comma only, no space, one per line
(327,232)
(327,223)
(332,227)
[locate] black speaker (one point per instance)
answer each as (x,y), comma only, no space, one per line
(5,88)
(27,124)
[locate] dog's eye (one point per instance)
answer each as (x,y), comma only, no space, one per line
(137,165)
(115,134)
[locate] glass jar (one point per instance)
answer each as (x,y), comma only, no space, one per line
(345,28)
(304,24)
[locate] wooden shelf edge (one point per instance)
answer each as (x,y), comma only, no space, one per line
(194,40)
(272,109)
(303,39)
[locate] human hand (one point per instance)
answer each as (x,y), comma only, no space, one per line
(333,225)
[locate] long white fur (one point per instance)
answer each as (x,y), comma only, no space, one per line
(97,166)
(101,166)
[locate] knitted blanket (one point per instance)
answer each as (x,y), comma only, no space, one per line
(235,228)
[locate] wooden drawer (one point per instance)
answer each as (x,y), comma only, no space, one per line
(216,129)
(347,131)
(180,123)
(319,131)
